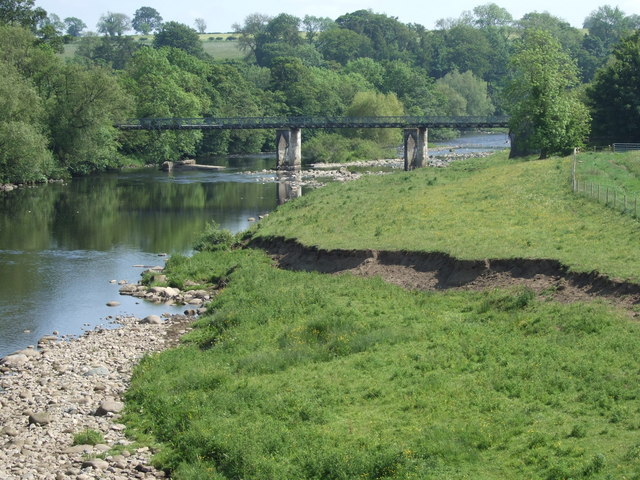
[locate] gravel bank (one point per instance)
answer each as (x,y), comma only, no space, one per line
(66,387)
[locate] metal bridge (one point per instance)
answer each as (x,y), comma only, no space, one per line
(245,123)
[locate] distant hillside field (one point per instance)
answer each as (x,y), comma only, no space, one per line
(221,46)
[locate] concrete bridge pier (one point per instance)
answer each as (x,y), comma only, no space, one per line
(416,150)
(289,149)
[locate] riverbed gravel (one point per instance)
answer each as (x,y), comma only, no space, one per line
(64,387)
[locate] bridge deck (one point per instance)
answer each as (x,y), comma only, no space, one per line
(243,123)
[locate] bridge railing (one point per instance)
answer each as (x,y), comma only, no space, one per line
(231,123)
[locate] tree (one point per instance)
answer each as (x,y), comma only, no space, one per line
(609,25)
(23,145)
(163,90)
(391,39)
(201,25)
(179,35)
(107,51)
(545,116)
(315,25)
(254,24)
(114,24)
(343,45)
(88,103)
(22,13)
(373,104)
(74,26)
(614,96)
(472,89)
(146,20)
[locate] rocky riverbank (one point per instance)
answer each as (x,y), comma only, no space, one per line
(50,394)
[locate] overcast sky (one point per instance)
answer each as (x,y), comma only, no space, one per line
(220,15)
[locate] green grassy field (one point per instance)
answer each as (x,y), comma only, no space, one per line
(485,208)
(219,48)
(309,376)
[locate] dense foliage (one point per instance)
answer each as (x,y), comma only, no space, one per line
(294,66)
(615,95)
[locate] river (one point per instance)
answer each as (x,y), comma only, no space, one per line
(62,245)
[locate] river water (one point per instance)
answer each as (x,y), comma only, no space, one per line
(62,245)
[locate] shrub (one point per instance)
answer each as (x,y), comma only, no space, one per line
(214,238)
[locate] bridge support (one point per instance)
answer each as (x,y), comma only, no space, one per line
(416,150)
(289,149)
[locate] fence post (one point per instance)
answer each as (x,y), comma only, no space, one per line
(598,193)
(606,201)
(573,171)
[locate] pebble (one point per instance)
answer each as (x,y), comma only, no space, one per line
(77,385)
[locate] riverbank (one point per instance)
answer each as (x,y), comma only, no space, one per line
(49,396)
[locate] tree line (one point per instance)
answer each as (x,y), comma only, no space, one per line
(559,84)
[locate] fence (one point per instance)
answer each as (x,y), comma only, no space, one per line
(625,147)
(609,196)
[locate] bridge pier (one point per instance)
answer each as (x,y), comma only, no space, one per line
(416,150)
(289,149)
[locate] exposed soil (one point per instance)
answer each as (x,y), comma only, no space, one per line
(439,271)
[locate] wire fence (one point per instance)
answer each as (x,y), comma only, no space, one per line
(607,195)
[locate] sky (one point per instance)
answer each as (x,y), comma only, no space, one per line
(221,15)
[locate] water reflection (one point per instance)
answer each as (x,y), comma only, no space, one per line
(288,186)
(60,245)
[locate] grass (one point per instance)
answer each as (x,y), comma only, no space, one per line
(305,376)
(619,171)
(88,437)
(477,209)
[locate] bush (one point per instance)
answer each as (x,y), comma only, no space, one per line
(336,148)
(214,238)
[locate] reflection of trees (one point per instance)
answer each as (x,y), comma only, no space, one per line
(104,212)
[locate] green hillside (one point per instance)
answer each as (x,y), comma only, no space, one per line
(489,208)
(310,376)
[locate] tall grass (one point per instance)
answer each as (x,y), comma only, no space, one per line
(477,209)
(305,376)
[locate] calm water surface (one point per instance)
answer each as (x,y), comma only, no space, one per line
(60,245)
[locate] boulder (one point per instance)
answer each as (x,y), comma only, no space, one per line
(152,320)
(96,463)
(99,371)
(39,418)
(113,303)
(109,406)
(128,289)
(14,360)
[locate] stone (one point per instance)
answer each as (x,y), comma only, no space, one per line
(109,406)
(96,463)
(128,289)
(99,371)
(14,360)
(113,303)
(9,431)
(29,352)
(39,418)
(77,449)
(172,292)
(152,320)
